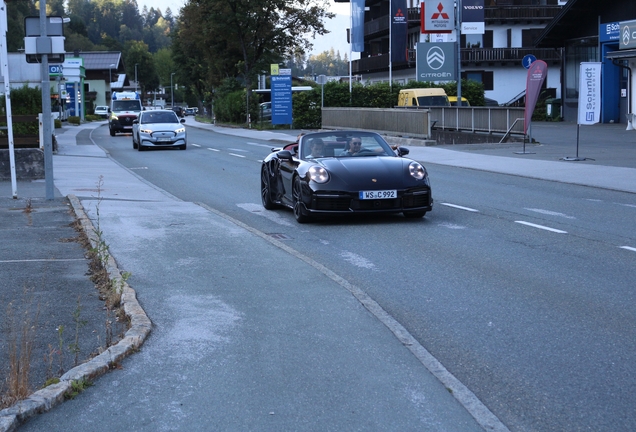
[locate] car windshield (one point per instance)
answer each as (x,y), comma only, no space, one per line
(126,105)
(339,144)
(159,117)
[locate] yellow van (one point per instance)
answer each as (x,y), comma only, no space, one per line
(453,101)
(423,97)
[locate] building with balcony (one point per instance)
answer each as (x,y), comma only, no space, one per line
(494,58)
(590,31)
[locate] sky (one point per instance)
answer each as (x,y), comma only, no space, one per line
(337,38)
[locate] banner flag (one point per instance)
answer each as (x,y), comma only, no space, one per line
(399,31)
(589,93)
(357,24)
(537,73)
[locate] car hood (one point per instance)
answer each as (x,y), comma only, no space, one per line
(368,172)
(162,127)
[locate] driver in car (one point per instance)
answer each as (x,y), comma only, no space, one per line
(354,147)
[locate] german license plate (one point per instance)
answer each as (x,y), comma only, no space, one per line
(163,139)
(379,194)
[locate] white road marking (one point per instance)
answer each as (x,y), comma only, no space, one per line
(258,209)
(357,260)
(237,155)
(460,207)
(452,226)
(195,145)
(269,146)
(137,168)
(627,205)
(551,213)
(216,150)
(238,150)
(542,227)
(633,249)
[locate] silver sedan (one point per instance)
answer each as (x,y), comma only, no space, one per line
(159,128)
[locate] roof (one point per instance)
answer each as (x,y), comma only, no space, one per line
(622,54)
(100,60)
(581,18)
(566,23)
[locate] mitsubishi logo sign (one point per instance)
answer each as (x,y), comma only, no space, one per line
(435,58)
(628,34)
(440,12)
(435,61)
(437,16)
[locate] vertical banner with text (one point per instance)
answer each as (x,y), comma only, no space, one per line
(281,99)
(589,93)
(537,73)
(399,31)
(357,24)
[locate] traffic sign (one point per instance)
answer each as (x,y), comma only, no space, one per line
(528,60)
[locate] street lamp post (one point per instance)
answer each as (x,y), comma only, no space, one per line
(136,76)
(172,90)
(110,79)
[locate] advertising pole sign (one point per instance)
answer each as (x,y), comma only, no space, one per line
(435,61)
(473,17)
(437,16)
(589,93)
(627,35)
(357,25)
(282,97)
(537,73)
(399,31)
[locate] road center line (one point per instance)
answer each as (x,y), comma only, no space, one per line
(633,249)
(460,207)
(216,150)
(196,145)
(237,155)
(542,227)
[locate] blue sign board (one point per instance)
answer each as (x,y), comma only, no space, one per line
(70,100)
(609,32)
(528,60)
(55,70)
(281,99)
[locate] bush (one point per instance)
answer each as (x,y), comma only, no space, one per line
(73,120)
(58,123)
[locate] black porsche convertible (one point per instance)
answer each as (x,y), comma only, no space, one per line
(340,172)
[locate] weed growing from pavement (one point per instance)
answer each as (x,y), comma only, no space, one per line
(77,386)
(22,325)
(79,323)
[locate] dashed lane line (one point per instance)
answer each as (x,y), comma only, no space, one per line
(558,231)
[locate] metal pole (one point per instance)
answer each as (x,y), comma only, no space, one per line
(136,76)
(459,53)
(171,91)
(46,110)
(7,95)
(390,62)
(350,45)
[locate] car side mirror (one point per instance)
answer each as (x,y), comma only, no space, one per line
(402,151)
(135,121)
(285,154)
(182,121)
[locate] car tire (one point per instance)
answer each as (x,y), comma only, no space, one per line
(297,201)
(134,143)
(140,147)
(414,214)
(112,132)
(266,192)
(183,147)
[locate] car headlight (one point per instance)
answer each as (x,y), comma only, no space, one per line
(318,174)
(180,130)
(417,171)
(145,131)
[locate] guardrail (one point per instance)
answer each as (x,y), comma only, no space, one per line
(414,123)
(418,122)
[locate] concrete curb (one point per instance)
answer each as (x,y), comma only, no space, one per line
(45,399)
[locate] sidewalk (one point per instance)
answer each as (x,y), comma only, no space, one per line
(337,339)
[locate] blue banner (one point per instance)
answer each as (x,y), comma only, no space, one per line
(399,31)
(281,99)
(357,24)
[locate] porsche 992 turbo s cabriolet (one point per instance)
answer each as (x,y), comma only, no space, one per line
(342,172)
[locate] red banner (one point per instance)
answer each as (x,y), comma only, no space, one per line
(537,73)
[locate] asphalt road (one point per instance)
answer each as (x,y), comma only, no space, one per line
(518,286)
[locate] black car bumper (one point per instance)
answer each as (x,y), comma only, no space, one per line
(349,202)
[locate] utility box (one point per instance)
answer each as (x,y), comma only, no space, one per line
(553,109)
(52,43)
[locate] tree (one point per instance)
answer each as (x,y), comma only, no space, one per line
(243,37)
(137,54)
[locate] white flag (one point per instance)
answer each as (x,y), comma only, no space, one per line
(589,93)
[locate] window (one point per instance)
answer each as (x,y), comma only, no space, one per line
(484,77)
